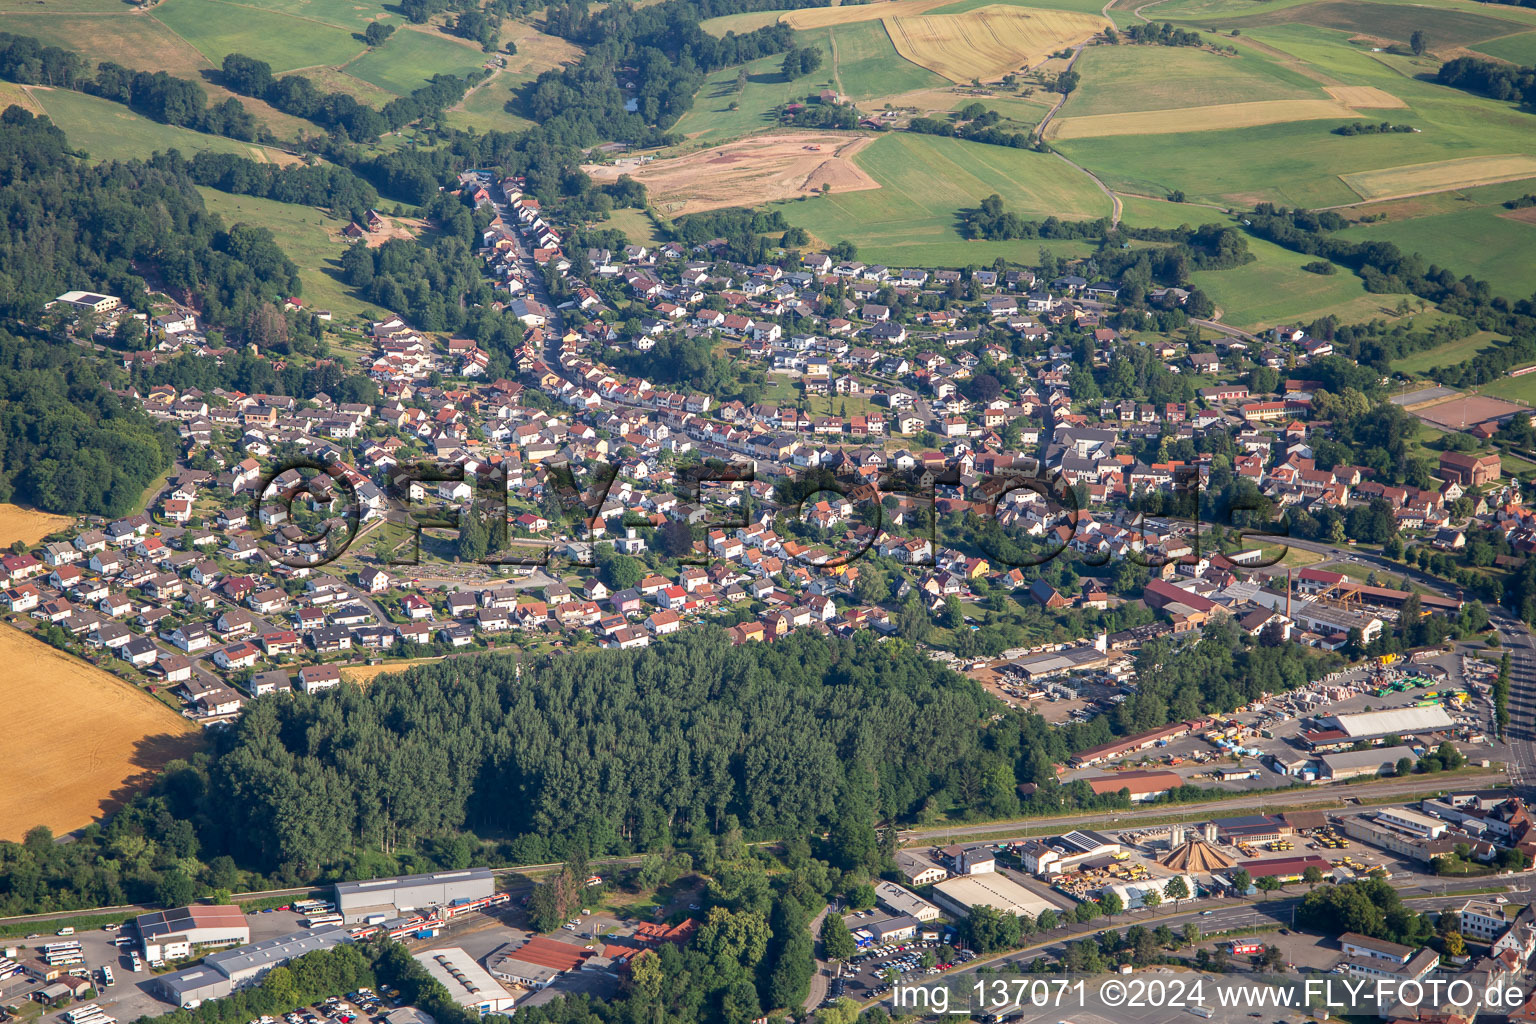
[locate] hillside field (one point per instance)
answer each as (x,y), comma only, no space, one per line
(110,131)
(78,738)
(1274,289)
(924,181)
(308,235)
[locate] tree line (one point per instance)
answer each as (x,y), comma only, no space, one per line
(335,111)
(157,95)
(1490,78)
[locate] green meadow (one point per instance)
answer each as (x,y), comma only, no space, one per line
(1449,354)
(110,131)
(1274,289)
(1128,78)
(410,57)
(285,41)
(307,236)
(925,181)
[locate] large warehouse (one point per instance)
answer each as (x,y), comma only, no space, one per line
(392,896)
(959,895)
(190,928)
(466,981)
(1343,731)
(222,973)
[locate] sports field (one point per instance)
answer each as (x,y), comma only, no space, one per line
(78,739)
(924,180)
(1392,182)
(757,170)
(216,28)
(988,42)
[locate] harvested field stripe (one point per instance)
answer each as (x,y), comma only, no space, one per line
(1440,175)
(1197,119)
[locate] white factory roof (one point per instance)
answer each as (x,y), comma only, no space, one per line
(466,981)
(405,881)
(1397,720)
(995,891)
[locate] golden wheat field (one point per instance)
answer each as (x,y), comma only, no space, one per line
(988,42)
(27,525)
(77,738)
(1440,175)
(1196,119)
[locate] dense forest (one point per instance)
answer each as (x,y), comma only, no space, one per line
(74,225)
(67,443)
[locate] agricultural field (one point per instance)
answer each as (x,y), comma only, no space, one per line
(27,525)
(1141,212)
(911,218)
(1394,22)
(217,28)
(537,52)
(1438,176)
(118,736)
(761,169)
(1220,117)
(988,42)
(411,56)
(741,24)
(311,238)
(110,131)
(1119,79)
(1274,289)
(1519,48)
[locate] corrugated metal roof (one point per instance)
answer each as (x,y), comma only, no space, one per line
(1397,720)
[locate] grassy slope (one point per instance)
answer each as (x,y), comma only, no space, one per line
(305,234)
(925,181)
(861,63)
(285,41)
(484,109)
(110,131)
(1450,354)
(1519,48)
(410,57)
(1274,289)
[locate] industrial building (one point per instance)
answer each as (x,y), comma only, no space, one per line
(1056,854)
(1142,785)
(1351,764)
(959,895)
(466,981)
(903,901)
(536,963)
(223,972)
(1341,731)
(391,896)
(173,934)
(1251,828)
